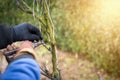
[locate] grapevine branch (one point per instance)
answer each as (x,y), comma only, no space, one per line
(46,21)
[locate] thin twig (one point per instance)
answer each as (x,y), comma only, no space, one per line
(45,74)
(29,11)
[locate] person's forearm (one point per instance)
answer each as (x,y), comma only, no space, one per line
(22,67)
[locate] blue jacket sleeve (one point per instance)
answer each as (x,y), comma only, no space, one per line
(22,69)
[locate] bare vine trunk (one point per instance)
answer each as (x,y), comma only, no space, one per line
(52,39)
(46,22)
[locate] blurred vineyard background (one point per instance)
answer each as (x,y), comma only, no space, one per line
(83,27)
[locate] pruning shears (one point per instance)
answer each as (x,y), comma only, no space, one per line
(35,44)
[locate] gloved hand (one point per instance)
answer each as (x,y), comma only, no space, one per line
(24,31)
(25,49)
(9,57)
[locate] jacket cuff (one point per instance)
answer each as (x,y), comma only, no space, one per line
(27,50)
(25,55)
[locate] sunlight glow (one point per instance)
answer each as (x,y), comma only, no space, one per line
(110,10)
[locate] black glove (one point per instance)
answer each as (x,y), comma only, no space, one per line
(5,36)
(20,32)
(26,31)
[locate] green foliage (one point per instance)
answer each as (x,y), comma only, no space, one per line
(85,27)
(6,12)
(64,35)
(10,14)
